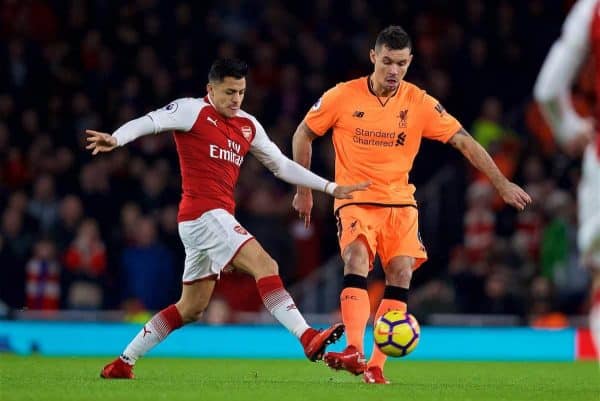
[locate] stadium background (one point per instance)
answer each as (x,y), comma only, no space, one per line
(84,237)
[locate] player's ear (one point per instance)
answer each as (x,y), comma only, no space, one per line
(209,88)
(372,55)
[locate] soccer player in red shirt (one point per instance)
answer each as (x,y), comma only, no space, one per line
(213,135)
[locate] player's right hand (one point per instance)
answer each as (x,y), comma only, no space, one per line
(303,203)
(345,191)
(100,141)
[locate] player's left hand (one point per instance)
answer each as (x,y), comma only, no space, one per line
(303,203)
(345,191)
(100,141)
(514,195)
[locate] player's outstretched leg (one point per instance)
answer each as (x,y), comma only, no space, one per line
(281,305)
(153,332)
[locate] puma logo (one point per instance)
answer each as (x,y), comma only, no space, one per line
(146,331)
(212,121)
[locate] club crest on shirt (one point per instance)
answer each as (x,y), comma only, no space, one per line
(403,116)
(317,105)
(240,230)
(246,132)
(171,107)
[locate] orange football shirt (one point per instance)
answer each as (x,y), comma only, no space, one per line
(378,142)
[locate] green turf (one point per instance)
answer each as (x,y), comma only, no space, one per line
(70,378)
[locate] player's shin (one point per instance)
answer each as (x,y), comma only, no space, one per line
(281,305)
(355,308)
(394,298)
(153,332)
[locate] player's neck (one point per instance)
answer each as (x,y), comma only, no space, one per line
(379,90)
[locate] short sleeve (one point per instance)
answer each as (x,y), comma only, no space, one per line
(324,113)
(179,115)
(439,125)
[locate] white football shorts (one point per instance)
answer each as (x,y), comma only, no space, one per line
(211,242)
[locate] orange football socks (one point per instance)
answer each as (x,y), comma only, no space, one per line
(356,309)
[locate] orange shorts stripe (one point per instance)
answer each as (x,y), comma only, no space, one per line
(386,231)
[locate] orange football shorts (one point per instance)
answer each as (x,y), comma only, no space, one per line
(386,231)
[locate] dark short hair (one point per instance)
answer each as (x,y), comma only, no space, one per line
(393,37)
(227,67)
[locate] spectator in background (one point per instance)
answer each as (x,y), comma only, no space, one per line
(479,221)
(12,285)
(147,257)
(169,235)
(17,238)
(542,306)
(499,296)
(43,271)
(487,128)
(468,280)
(43,205)
(85,262)
(96,194)
(70,215)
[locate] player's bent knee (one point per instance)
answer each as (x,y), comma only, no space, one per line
(356,261)
(400,275)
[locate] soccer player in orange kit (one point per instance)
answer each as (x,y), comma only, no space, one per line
(378,122)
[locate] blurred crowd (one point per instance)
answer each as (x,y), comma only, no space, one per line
(82,232)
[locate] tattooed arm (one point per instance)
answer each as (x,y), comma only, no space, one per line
(511,193)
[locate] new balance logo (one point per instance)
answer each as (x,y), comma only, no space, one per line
(358,114)
(212,121)
(290,307)
(146,331)
(400,139)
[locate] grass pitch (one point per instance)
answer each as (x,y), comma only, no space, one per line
(74,378)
